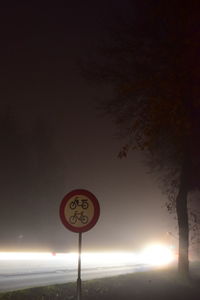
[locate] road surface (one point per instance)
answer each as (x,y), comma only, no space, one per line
(19,274)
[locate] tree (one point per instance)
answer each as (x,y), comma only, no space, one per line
(153,64)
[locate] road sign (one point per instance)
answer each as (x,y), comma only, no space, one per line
(79,210)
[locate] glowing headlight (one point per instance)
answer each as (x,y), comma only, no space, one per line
(157,254)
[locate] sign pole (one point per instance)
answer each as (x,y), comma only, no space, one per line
(79,267)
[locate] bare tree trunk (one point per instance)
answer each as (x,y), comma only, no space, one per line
(182,215)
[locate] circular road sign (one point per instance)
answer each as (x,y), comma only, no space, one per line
(79,210)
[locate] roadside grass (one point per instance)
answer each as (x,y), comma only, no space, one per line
(159,284)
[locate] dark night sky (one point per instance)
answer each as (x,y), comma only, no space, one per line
(53,139)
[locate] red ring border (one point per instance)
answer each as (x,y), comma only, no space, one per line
(96,210)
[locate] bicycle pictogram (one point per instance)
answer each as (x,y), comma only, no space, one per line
(78,216)
(79,202)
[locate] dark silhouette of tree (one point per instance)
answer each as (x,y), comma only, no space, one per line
(153,63)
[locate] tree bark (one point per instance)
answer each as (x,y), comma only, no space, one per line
(183,226)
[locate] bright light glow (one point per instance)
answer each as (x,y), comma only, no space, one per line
(158,255)
(25,256)
(108,259)
(155,254)
(88,259)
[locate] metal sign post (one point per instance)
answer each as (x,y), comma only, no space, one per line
(79,267)
(79,212)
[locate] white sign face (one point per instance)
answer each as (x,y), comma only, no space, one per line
(79,210)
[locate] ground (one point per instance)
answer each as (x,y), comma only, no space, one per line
(159,284)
